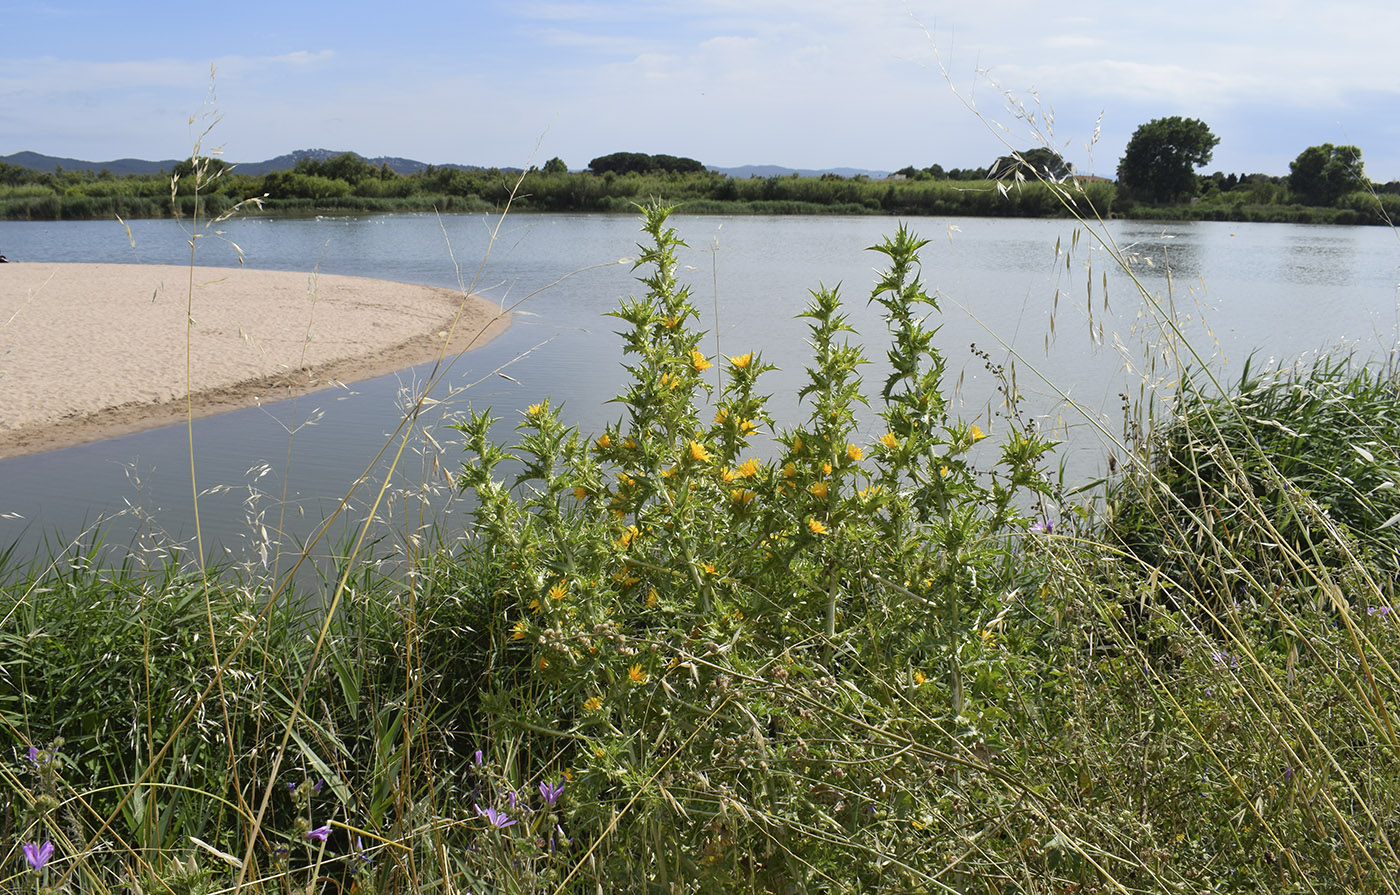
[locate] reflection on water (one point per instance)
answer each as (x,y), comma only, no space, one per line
(1080,332)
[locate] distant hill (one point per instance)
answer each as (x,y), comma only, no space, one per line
(746,171)
(121,167)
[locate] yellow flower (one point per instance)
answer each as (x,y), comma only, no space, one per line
(558,591)
(826,469)
(698,452)
(748,469)
(976,433)
(819,489)
(797,444)
(605,441)
(721,415)
(637,674)
(943,471)
(742,361)
(542,664)
(854,453)
(919,677)
(599,752)
(789,470)
(535,605)
(699,361)
(593,703)
(581,493)
(708,567)
(728,475)
(668,472)
(741,496)
(816,527)
(747,426)
(518,632)
(568,775)
(534,409)
(889,441)
(628,536)
(651,598)
(671,322)
(668,381)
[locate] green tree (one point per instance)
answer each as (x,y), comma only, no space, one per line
(1323,174)
(556,166)
(1160,160)
(1033,165)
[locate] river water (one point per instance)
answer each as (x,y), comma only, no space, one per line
(1048,298)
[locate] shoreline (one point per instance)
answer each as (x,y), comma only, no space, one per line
(93,351)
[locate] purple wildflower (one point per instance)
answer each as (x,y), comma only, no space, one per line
(360,853)
(513,800)
(551,792)
(320,834)
(1382,611)
(1044,527)
(499,819)
(38,855)
(1223,659)
(316,787)
(34,755)
(1287,772)
(478,758)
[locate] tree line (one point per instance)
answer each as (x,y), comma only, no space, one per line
(1155,178)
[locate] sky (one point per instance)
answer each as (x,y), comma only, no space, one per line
(876,84)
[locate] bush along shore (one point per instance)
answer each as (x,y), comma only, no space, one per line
(347,184)
(661,663)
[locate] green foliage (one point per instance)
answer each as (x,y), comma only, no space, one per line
(1162,155)
(1310,455)
(641,163)
(1322,175)
(1033,164)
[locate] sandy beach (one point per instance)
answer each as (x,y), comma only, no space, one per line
(89,351)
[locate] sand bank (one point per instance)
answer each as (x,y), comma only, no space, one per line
(89,351)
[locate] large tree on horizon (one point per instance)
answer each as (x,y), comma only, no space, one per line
(1160,161)
(1323,174)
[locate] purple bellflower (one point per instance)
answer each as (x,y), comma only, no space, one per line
(38,855)
(320,834)
(551,792)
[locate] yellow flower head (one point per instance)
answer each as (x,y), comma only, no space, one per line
(651,598)
(581,493)
(542,664)
(797,444)
(826,469)
(605,441)
(519,630)
(889,441)
(748,469)
(943,471)
(819,489)
(671,322)
(593,703)
(535,604)
(747,426)
(728,475)
(721,415)
(698,452)
(789,470)
(558,591)
(534,409)
(816,527)
(977,433)
(741,496)
(699,361)
(637,674)
(854,453)
(919,677)
(742,361)
(629,443)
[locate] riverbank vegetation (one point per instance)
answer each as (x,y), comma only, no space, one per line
(698,649)
(1326,186)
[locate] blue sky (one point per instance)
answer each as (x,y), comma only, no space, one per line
(805,83)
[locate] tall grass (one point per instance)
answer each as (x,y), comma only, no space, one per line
(661,663)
